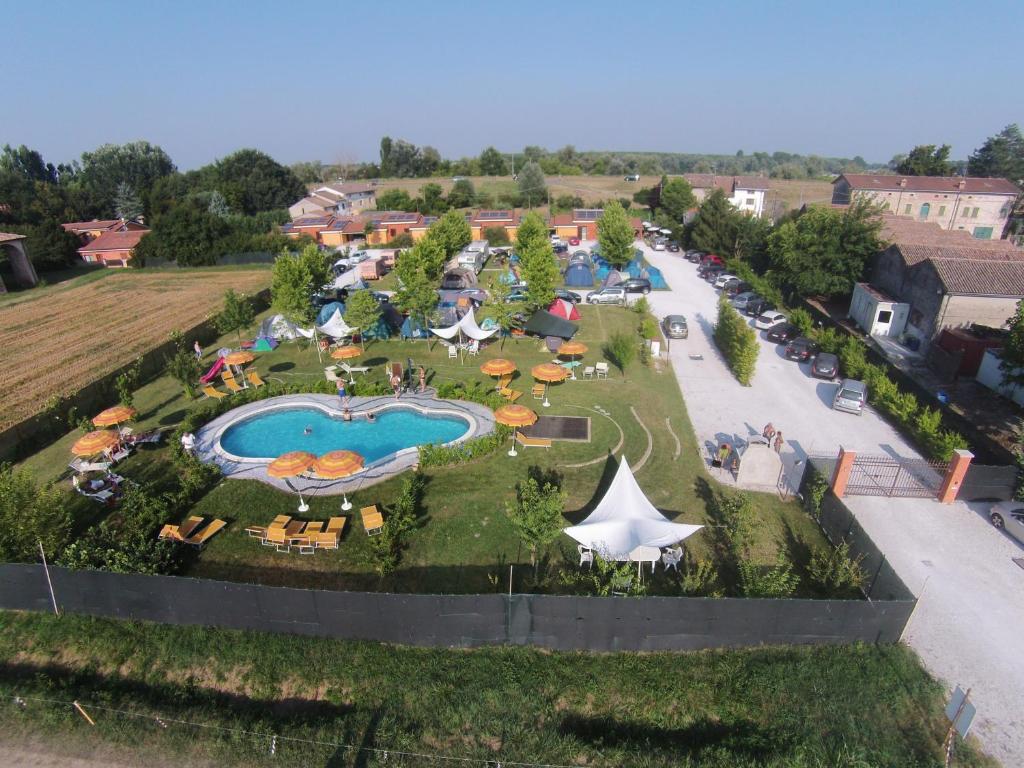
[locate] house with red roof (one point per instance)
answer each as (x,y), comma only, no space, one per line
(87,231)
(975,205)
(582,223)
(113,248)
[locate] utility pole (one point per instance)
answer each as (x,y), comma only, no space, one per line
(49,583)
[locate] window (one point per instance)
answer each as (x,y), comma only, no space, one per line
(926,208)
(983,233)
(942,210)
(974,213)
(885,316)
(964,213)
(906,209)
(750,201)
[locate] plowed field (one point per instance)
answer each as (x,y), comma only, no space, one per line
(62,341)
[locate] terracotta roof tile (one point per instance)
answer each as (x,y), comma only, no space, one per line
(7,237)
(115,241)
(891,183)
(981,277)
(82,226)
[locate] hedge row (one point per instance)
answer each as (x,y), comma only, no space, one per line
(737,341)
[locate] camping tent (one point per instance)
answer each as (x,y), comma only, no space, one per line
(327,310)
(279,327)
(390,321)
(459,278)
(654,275)
(625,520)
(634,268)
(578,275)
(335,326)
(613,278)
(349,279)
(412,329)
(543,323)
(465,327)
(579,256)
(264,344)
(564,309)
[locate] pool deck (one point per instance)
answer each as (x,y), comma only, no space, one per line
(208,448)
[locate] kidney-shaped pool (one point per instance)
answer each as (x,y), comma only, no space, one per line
(268,434)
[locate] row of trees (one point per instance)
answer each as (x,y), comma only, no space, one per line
(1000,156)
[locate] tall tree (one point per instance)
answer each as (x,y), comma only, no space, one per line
(127,205)
(432,202)
(253,181)
(532,229)
(926,160)
(417,292)
(394,200)
(218,206)
(532,184)
(49,245)
(362,311)
(675,200)
(237,314)
(538,267)
(138,164)
(1001,156)
(452,232)
(462,194)
(188,234)
(714,230)
(385,157)
(295,278)
(492,163)
(536,514)
(615,235)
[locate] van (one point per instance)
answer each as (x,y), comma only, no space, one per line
(850,396)
(474,255)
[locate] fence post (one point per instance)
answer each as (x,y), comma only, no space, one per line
(954,475)
(841,474)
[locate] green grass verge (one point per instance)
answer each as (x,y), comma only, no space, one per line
(801,706)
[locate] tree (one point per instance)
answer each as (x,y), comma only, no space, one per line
(675,200)
(432,201)
(1012,356)
(218,206)
(362,311)
(1001,156)
(714,230)
(496,236)
(462,194)
(138,164)
(394,200)
(252,181)
(503,311)
(492,163)
(237,314)
(926,160)
(416,292)
(452,232)
(538,268)
(295,278)
(615,235)
(531,184)
(737,341)
(188,234)
(825,251)
(49,245)
(620,349)
(30,514)
(127,205)
(182,365)
(532,229)
(536,514)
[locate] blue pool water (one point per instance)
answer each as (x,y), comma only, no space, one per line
(268,435)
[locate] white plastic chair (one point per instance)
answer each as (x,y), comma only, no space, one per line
(473,347)
(453,351)
(586,555)
(671,558)
(588,372)
(601,369)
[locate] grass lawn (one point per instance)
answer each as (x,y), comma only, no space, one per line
(806,706)
(465,542)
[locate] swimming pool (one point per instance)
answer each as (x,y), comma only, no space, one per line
(268,434)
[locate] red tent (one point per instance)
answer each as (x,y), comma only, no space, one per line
(565,309)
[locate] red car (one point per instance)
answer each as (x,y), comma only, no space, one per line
(574,241)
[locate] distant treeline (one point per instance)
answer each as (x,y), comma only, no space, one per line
(402,159)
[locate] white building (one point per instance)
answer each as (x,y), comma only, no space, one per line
(877,313)
(746,193)
(336,198)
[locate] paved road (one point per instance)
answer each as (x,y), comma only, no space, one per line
(969,621)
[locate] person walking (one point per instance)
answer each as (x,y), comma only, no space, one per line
(342,393)
(778,442)
(197,349)
(768,432)
(723,454)
(423,380)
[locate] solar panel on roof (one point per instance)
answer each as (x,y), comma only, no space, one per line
(587,214)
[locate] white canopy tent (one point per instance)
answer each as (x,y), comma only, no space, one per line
(467,325)
(336,326)
(280,327)
(625,522)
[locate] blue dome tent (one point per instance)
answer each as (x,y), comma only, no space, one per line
(655,276)
(578,275)
(327,310)
(412,329)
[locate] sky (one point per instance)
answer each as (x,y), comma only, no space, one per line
(324,81)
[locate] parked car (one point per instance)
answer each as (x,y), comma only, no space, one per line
(801,349)
(851,395)
(825,366)
(613,295)
(517,294)
(767,319)
(636,285)
(382,298)
(1009,516)
(780,333)
(574,241)
(728,284)
(735,289)
(570,296)
(632,177)
(658,245)
(675,327)
(673,247)
(560,247)
(755,308)
(710,258)
(693,256)
(713,273)
(740,300)
(724,278)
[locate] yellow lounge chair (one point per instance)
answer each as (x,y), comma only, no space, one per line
(256,531)
(229,382)
(276,537)
(532,442)
(254,379)
(336,525)
(373,521)
(538,391)
(324,540)
(169,532)
(280,521)
(199,540)
(504,381)
(210,391)
(511,395)
(189,526)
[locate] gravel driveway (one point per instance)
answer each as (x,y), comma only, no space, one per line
(969,621)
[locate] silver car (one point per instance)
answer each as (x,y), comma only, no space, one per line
(741,300)
(1009,516)
(851,396)
(675,327)
(612,295)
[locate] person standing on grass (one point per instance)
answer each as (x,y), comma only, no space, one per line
(198,350)
(342,393)
(778,442)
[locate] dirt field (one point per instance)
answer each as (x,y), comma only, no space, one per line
(64,339)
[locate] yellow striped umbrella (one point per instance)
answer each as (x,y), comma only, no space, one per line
(346,353)
(92,443)
(549,372)
(114,415)
(572,348)
(499,366)
(290,464)
(335,465)
(515,416)
(239,358)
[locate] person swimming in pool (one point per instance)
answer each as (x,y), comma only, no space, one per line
(371,416)
(308,430)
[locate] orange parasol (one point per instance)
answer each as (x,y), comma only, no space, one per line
(499,366)
(114,415)
(549,372)
(515,416)
(572,348)
(92,443)
(346,353)
(290,464)
(337,464)
(239,358)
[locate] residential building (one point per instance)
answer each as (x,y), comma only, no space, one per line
(342,231)
(386,226)
(12,246)
(113,248)
(746,193)
(311,224)
(336,198)
(87,231)
(582,223)
(978,206)
(505,219)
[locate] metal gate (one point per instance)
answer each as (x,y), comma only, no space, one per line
(891,476)
(988,483)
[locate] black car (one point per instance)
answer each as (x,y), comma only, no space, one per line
(673,247)
(712,273)
(782,332)
(735,289)
(693,256)
(825,366)
(801,349)
(569,296)
(560,248)
(636,285)
(759,307)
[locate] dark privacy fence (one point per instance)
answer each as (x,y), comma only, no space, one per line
(556,622)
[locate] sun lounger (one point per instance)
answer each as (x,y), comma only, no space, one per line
(280,521)
(276,537)
(324,540)
(229,382)
(152,436)
(199,540)
(601,369)
(336,525)
(81,465)
(350,369)
(510,394)
(169,532)
(331,372)
(373,521)
(532,442)
(104,496)
(210,391)
(256,531)
(254,379)
(538,391)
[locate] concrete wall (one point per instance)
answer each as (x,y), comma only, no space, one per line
(949,210)
(961,311)
(991,376)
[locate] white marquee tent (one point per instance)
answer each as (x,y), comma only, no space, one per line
(336,326)
(625,521)
(467,325)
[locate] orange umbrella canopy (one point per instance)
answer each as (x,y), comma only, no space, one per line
(346,353)
(114,415)
(337,464)
(499,366)
(549,372)
(92,443)
(515,416)
(572,348)
(239,358)
(290,464)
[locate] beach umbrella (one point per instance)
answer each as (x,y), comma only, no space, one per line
(93,442)
(548,373)
(113,416)
(499,366)
(237,360)
(292,464)
(515,416)
(571,349)
(347,353)
(335,465)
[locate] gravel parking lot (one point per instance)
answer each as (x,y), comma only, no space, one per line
(970,618)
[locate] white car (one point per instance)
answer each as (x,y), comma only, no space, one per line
(613,295)
(659,245)
(721,280)
(1009,516)
(768,319)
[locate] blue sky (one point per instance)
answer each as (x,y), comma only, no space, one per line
(326,80)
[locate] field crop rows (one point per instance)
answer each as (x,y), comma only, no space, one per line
(58,344)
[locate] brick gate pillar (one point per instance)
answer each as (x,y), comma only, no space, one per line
(841,475)
(954,476)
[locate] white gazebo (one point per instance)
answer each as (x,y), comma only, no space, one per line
(467,326)
(625,526)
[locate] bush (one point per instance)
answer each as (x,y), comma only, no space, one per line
(460,453)
(401,519)
(641,306)
(802,319)
(30,513)
(829,339)
(815,489)
(834,569)
(737,342)
(772,581)
(649,328)
(620,349)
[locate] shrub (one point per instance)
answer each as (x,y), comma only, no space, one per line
(852,358)
(536,514)
(829,339)
(737,342)
(649,328)
(641,306)
(834,569)
(815,489)
(620,349)
(399,521)
(802,319)
(30,514)
(460,453)
(772,581)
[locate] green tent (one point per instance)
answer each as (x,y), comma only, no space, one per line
(543,323)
